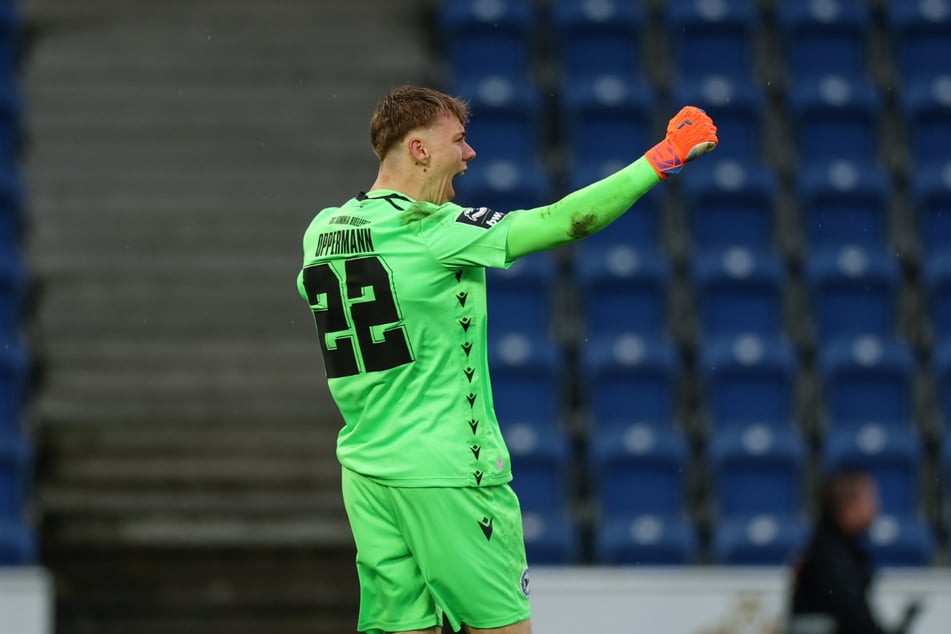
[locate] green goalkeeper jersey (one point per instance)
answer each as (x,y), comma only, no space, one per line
(397,288)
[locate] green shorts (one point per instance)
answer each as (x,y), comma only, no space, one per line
(425,552)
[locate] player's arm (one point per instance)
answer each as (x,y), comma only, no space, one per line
(588,210)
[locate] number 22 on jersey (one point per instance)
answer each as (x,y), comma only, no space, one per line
(358,320)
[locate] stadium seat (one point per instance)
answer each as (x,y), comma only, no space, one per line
(15,460)
(540,459)
(926,106)
(738,290)
(760,540)
(525,368)
(639,227)
(505,115)
(630,379)
(834,116)
(746,380)
(520,297)
(638,469)
(854,291)
(14,370)
(646,540)
(17,544)
(600,36)
(920,32)
(729,203)
(711,37)
(890,454)
(13,285)
(550,538)
(488,37)
(930,190)
(944,464)
(605,116)
(844,202)
(867,379)
(900,541)
(736,106)
(10,113)
(622,289)
(824,36)
(937,281)
(942,369)
(757,469)
(11,216)
(503,185)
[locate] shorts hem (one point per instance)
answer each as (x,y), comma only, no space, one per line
(401,627)
(512,619)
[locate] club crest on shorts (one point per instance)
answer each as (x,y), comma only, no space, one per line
(524,583)
(480,217)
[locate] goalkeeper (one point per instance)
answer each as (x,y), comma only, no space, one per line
(396,282)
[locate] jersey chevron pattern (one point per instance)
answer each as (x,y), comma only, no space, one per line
(397,288)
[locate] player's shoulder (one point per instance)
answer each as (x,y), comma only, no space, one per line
(451,214)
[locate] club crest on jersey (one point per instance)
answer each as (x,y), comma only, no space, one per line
(480,217)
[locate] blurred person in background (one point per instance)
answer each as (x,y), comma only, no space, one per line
(395,278)
(831,580)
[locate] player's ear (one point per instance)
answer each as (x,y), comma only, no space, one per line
(417,150)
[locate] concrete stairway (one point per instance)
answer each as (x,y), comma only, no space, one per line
(177,151)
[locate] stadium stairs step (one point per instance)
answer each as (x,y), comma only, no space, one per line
(175,152)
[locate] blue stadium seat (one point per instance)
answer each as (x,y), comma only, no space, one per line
(890,454)
(944,455)
(503,185)
(844,202)
(930,190)
(937,281)
(854,291)
(11,25)
(942,369)
(738,290)
(900,541)
(757,469)
(638,469)
(13,284)
(638,227)
(926,107)
(865,380)
(647,540)
(600,36)
(17,544)
(711,37)
(15,461)
(11,217)
(736,106)
(760,540)
(630,379)
(525,369)
(10,114)
(520,297)
(605,116)
(622,289)
(729,203)
(14,370)
(746,380)
(550,538)
(540,459)
(488,37)
(505,115)
(835,116)
(824,36)
(921,32)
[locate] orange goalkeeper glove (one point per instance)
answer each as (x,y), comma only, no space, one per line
(689,134)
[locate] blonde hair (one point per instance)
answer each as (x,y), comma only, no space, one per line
(409,107)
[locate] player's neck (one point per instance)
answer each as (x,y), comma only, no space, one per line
(405,181)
